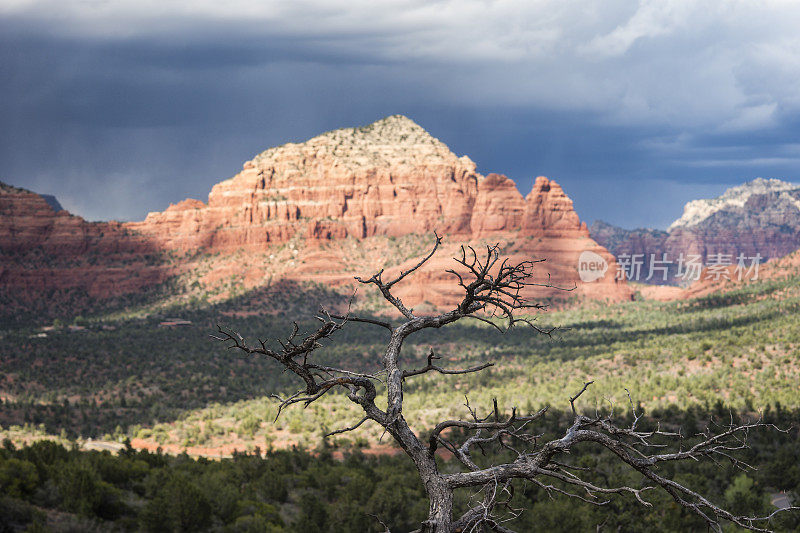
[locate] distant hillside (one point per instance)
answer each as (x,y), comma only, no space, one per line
(761,217)
(52,202)
(780,197)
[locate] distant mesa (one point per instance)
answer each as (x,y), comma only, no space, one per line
(52,202)
(388,179)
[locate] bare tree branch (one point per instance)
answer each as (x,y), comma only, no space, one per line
(572,399)
(430,366)
(601,431)
(351,318)
(386,287)
(344,430)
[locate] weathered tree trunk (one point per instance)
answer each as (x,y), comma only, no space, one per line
(440,495)
(440,513)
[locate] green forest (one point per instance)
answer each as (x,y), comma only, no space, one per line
(122,375)
(49,487)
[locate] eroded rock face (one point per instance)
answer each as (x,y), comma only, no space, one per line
(28,222)
(43,250)
(498,206)
(388,179)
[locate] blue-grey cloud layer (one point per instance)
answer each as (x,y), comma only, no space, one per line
(122,107)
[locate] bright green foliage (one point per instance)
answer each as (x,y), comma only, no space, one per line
(743,496)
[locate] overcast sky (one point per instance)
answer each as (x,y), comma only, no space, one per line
(123,107)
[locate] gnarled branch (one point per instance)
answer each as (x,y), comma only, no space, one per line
(492,293)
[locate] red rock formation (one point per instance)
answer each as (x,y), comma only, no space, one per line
(787,267)
(548,209)
(498,206)
(43,250)
(390,178)
(27,222)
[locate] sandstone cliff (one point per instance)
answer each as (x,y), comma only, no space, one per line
(51,259)
(295,210)
(29,222)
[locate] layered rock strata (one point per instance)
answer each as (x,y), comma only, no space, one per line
(388,179)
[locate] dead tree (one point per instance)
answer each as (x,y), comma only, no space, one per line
(492,294)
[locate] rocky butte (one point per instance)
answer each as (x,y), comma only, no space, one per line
(296,210)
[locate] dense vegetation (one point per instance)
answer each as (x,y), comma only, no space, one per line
(88,376)
(121,375)
(47,486)
(741,348)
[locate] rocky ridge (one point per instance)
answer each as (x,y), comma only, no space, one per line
(759,218)
(28,221)
(44,252)
(698,211)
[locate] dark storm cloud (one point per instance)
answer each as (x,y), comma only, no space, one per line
(121,108)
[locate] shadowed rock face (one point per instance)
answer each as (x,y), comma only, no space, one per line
(42,250)
(390,178)
(28,221)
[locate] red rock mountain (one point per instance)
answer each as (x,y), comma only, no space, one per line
(27,221)
(294,209)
